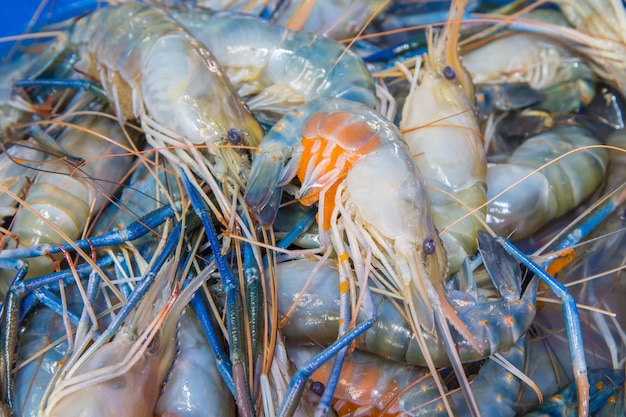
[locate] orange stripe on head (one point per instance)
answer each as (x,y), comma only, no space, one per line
(349,131)
(335,140)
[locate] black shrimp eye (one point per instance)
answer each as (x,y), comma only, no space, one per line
(317,388)
(449,72)
(234,136)
(429,246)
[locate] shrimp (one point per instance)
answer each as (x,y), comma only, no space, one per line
(154,70)
(542,63)
(368,383)
(43,346)
(339,19)
(60,202)
(372,386)
(549,193)
(348,151)
(140,355)
(335,19)
(276,69)
(597,37)
(16,173)
(193,386)
(439,124)
(497,321)
(524,57)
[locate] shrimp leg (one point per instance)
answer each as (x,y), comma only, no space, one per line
(234,308)
(605,382)
(570,311)
(292,397)
(10,312)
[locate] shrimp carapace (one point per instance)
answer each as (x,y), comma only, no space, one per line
(331,144)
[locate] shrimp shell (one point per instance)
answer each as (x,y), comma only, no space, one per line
(551,192)
(276,69)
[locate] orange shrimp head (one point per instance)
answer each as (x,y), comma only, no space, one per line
(332,143)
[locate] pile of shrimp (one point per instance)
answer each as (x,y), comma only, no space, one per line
(260,208)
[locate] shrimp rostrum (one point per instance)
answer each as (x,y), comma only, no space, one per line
(372,207)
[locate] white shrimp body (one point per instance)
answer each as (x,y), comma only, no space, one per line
(275,69)
(64,196)
(16,173)
(193,386)
(550,192)
(440,125)
(103,380)
(523,57)
(154,70)
(351,156)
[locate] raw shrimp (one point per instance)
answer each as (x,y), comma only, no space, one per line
(372,386)
(60,201)
(43,346)
(154,70)
(193,386)
(368,383)
(524,57)
(597,39)
(440,125)
(275,69)
(497,321)
(355,163)
(560,185)
(140,355)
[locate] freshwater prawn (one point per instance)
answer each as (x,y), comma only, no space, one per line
(341,151)
(154,70)
(60,202)
(544,178)
(497,318)
(140,354)
(440,125)
(275,69)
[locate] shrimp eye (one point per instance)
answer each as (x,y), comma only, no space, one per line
(317,388)
(449,72)
(429,246)
(234,136)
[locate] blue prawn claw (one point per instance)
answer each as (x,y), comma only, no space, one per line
(504,275)
(263,192)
